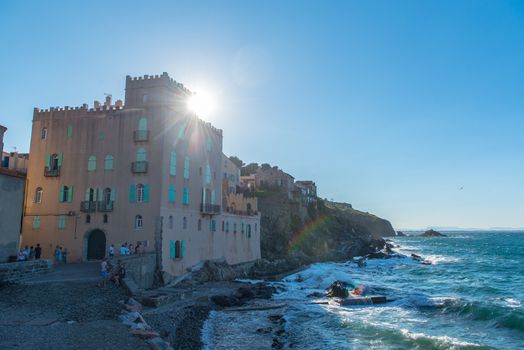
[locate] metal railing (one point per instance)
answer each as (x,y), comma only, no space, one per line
(141,135)
(87,206)
(209,208)
(105,206)
(139,167)
(51,172)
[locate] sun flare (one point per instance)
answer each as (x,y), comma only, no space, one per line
(201,103)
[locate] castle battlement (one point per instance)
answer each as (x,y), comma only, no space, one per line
(149,80)
(78,111)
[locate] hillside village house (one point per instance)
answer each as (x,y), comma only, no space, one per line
(146,170)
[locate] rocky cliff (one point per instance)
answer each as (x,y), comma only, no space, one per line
(319,231)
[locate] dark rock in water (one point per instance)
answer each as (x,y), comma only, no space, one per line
(225,300)
(263,291)
(416,257)
(265,330)
(400,234)
(315,295)
(337,289)
(245,293)
(432,233)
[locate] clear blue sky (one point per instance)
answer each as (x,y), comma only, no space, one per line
(389,105)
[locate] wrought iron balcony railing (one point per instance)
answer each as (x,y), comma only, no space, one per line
(209,208)
(51,172)
(139,167)
(87,206)
(105,206)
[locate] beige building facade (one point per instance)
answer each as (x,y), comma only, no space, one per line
(145,171)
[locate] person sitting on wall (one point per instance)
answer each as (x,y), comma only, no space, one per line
(21,255)
(38,252)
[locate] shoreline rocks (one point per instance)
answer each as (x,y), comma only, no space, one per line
(432,233)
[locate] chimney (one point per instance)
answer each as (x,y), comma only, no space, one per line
(108,101)
(97,104)
(119,103)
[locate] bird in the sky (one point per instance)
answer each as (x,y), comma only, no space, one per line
(461,188)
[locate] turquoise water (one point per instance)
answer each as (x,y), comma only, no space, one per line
(471,296)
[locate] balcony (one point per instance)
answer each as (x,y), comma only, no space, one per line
(248,212)
(210,209)
(139,167)
(51,172)
(104,206)
(141,135)
(87,206)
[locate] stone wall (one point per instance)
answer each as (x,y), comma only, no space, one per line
(140,268)
(18,272)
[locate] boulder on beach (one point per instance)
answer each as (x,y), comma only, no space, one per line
(338,289)
(432,233)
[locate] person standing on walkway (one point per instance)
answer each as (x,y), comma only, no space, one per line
(103,273)
(111,251)
(122,250)
(31,253)
(38,252)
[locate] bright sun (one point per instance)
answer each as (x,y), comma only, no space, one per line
(201,103)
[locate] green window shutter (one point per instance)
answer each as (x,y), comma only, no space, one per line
(87,195)
(131,193)
(61,198)
(172,164)
(213,197)
(146,193)
(186,196)
(47,160)
(60,159)
(171,249)
(70,194)
(70,131)
(113,194)
(171,194)
(183,249)
(186,168)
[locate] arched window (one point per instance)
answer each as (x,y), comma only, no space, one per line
(172,164)
(105,219)
(91,163)
(199,224)
(170,222)
(222,225)
(177,249)
(208,174)
(108,162)
(142,124)
(249,230)
(44,133)
(184,223)
(38,195)
(107,196)
(90,195)
(54,162)
(141,155)
(186,168)
(139,193)
(88,219)
(139,222)
(65,193)
(227,226)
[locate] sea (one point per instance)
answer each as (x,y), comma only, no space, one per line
(469,295)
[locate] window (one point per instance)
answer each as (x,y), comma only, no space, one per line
(172,194)
(139,222)
(208,174)
(141,155)
(200,224)
(177,249)
(184,223)
(140,190)
(38,195)
(66,194)
(200,171)
(256,227)
(91,163)
(213,197)
(186,168)
(70,131)
(242,228)
(170,222)
(213,225)
(44,133)
(101,136)
(227,226)
(88,219)
(108,162)
(249,230)
(186,196)
(108,196)
(222,225)
(105,219)
(145,98)
(36,222)
(90,195)
(235,227)
(142,123)
(54,161)
(61,222)
(172,164)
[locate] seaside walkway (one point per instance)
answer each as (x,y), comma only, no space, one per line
(76,272)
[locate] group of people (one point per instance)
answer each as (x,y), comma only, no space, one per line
(30,253)
(60,255)
(127,249)
(111,273)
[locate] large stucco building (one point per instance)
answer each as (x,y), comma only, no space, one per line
(146,170)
